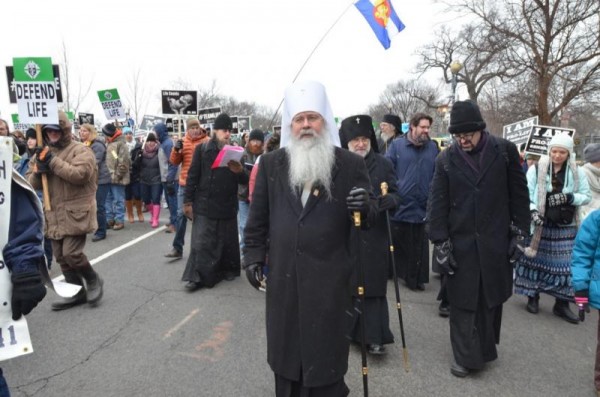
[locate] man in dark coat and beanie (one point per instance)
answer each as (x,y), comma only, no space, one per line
(300,216)
(477,214)
(210,202)
(358,136)
(391,128)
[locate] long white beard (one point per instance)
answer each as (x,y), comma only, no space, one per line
(311,160)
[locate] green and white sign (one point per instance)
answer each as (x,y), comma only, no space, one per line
(111,103)
(35,89)
(17,125)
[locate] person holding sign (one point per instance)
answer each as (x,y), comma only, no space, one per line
(22,253)
(72,175)
(556,188)
(210,202)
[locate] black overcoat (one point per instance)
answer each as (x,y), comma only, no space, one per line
(213,192)
(475,212)
(375,245)
(309,294)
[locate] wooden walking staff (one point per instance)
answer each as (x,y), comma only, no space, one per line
(46,195)
(361,306)
(384,191)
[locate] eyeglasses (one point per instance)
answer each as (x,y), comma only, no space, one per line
(465,136)
(310,118)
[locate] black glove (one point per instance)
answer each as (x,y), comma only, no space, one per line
(516,246)
(178,145)
(170,188)
(358,200)
(28,290)
(558,199)
(43,158)
(444,257)
(583,303)
(536,218)
(254,273)
(387,202)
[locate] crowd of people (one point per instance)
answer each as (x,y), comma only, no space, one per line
(310,215)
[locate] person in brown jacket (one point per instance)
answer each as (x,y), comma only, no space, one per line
(182,153)
(72,174)
(118,163)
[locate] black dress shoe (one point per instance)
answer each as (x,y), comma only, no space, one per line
(377,350)
(421,287)
(533,304)
(561,309)
(458,370)
(444,309)
(192,286)
(97,238)
(230,276)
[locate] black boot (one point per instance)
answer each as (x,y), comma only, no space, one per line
(533,304)
(71,277)
(561,309)
(94,284)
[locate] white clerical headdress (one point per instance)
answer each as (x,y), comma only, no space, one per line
(307,96)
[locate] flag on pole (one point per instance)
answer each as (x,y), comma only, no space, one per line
(382,18)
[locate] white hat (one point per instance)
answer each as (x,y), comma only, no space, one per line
(561,140)
(307,96)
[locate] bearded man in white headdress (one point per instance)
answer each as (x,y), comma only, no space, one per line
(300,217)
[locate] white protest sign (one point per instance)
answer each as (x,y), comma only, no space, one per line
(35,90)
(518,132)
(111,103)
(14,335)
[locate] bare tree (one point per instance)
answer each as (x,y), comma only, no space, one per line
(72,102)
(406,98)
(137,96)
(556,41)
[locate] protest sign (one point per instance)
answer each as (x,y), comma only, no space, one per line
(179,102)
(86,118)
(207,116)
(17,125)
(35,90)
(148,122)
(518,132)
(540,136)
(111,103)
(10,78)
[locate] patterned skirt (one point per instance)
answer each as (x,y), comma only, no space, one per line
(550,270)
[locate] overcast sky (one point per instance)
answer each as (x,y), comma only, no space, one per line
(253,49)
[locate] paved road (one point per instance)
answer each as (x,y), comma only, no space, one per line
(150,338)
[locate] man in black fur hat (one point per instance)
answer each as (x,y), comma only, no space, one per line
(391,128)
(478,213)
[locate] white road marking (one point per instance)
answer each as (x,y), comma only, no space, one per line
(181,324)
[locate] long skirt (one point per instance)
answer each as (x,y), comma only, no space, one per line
(550,270)
(377,322)
(215,251)
(411,253)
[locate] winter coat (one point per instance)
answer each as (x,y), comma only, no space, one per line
(593,178)
(24,252)
(100,152)
(248,160)
(134,173)
(184,157)
(375,242)
(475,212)
(149,168)
(585,266)
(310,265)
(118,160)
(72,185)
(414,167)
(213,192)
(168,171)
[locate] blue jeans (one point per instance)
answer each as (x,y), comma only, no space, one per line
(4,392)
(244,208)
(115,203)
(172,203)
(151,193)
(101,194)
(181,224)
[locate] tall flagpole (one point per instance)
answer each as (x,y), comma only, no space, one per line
(309,56)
